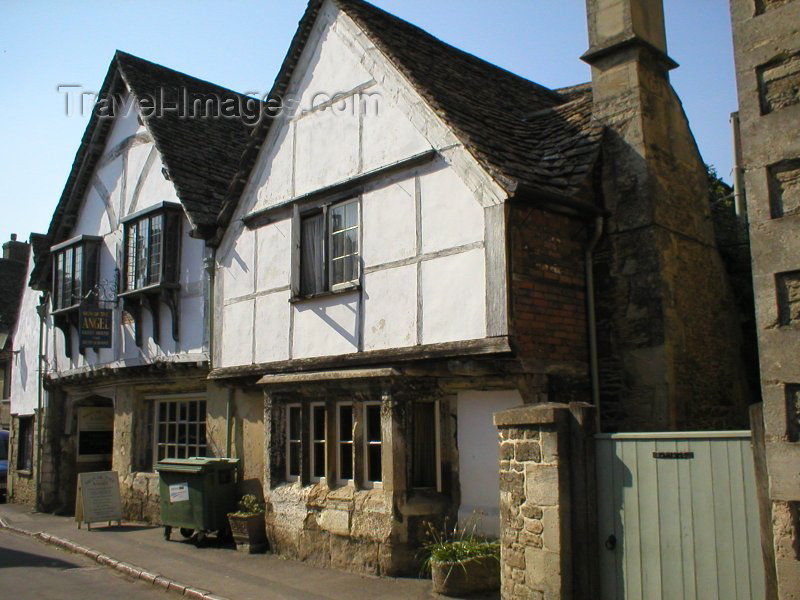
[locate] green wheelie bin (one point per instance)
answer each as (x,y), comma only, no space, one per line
(196,495)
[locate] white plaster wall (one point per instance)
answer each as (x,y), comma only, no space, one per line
(479,456)
(390,308)
(326,327)
(94,215)
(387,135)
(389,223)
(313,148)
(454,297)
(239,277)
(327,146)
(451,215)
(274,180)
(272,327)
(127,124)
(330,68)
(25,363)
(237,338)
(129,178)
(274,250)
(153,187)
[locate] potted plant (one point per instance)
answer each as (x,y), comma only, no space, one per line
(247,525)
(462,562)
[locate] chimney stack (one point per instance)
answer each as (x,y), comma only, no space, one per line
(668,329)
(16,251)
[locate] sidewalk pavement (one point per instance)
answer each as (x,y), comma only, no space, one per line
(214,572)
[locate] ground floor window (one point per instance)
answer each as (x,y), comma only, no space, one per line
(341,441)
(425,445)
(294,441)
(319,441)
(373,439)
(344,442)
(25,444)
(180,428)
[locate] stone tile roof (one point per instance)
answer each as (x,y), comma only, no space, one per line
(201,153)
(530,139)
(12,284)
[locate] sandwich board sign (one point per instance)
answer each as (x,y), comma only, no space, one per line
(98,498)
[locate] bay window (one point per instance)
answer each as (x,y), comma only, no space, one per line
(75,267)
(152,247)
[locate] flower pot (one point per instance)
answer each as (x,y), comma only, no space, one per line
(249,532)
(480,574)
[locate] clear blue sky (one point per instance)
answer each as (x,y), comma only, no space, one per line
(240,44)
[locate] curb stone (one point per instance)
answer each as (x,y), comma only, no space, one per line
(126,568)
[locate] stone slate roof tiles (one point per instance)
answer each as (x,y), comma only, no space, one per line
(532,140)
(12,284)
(201,153)
(524,134)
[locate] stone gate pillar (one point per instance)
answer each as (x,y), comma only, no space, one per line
(547,501)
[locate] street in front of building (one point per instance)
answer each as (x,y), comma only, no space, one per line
(31,569)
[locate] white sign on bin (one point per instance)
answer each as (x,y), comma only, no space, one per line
(178,492)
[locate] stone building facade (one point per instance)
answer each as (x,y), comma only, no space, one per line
(767,54)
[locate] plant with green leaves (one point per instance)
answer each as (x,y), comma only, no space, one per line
(249,505)
(460,560)
(457,544)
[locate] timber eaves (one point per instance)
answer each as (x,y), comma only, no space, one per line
(483,346)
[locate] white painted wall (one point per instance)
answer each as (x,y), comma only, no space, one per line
(421,284)
(479,456)
(128,179)
(25,362)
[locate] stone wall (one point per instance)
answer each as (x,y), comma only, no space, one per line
(548,287)
(767,57)
(21,484)
(351,525)
(546,478)
(668,333)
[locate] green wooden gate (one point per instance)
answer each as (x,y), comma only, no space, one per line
(678,517)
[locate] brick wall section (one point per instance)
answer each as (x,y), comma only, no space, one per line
(548,300)
(543,473)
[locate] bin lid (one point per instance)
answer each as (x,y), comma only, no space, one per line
(195,464)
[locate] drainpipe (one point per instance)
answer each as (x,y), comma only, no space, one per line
(41,310)
(229,422)
(738,175)
(593,366)
(210,263)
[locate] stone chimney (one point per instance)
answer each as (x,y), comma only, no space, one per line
(16,251)
(668,330)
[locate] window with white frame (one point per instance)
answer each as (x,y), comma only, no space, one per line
(344,443)
(329,248)
(180,428)
(294,441)
(372,444)
(319,444)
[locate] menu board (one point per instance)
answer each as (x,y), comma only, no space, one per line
(98,498)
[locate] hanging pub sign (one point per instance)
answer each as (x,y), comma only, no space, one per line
(94,328)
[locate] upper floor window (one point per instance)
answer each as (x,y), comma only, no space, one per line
(75,265)
(152,247)
(329,248)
